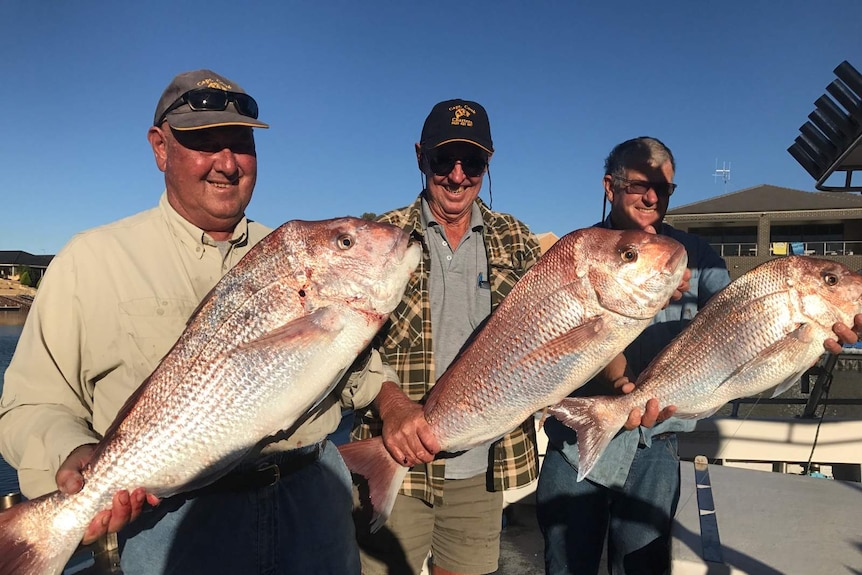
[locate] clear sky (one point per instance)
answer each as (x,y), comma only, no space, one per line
(346,85)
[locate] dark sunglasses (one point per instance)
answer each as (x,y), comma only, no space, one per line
(442,164)
(213,100)
(640,187)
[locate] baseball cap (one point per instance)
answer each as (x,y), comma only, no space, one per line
(457,121)
(239,109)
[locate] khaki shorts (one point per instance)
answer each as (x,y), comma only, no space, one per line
(463,533)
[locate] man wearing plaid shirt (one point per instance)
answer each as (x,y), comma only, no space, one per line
(472,257)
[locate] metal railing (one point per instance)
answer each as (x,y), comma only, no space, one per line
(739,249)
(788,248)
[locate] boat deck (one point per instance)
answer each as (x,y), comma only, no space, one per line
(768,524)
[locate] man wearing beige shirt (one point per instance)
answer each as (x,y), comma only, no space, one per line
(111,305)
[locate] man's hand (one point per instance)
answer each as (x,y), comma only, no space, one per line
(125,507)
(844,335)
(650,416)
(683,287)
(406,434)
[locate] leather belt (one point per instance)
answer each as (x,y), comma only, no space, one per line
(266,475)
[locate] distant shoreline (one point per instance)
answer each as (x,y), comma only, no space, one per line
(13,318)
(17,299)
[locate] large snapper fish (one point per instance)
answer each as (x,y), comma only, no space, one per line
(764,329)
(582,303)
(268,343)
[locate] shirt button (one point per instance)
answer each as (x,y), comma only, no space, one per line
(449,258)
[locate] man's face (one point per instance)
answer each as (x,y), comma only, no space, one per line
(451,194)
(209,173)
(631,210)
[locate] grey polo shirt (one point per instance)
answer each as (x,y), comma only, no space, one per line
(460,297)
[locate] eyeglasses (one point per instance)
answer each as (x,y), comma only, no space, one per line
(213,100)
(442,164)
(640,187)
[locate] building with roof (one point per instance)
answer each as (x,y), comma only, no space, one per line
(756,224)
(12,262)
(546,240)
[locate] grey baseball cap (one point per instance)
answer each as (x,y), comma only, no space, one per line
(204,99)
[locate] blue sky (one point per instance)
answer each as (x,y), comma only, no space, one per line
(346,85)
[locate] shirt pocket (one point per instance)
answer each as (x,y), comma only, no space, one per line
(152,325)
(481,307)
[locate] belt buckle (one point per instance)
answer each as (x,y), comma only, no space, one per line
(276,473)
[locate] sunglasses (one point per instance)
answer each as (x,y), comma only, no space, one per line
(443,164)
(213,100)
(640,187)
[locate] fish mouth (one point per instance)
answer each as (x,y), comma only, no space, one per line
(400,246)
(679,255)
(674,266)
(404,257)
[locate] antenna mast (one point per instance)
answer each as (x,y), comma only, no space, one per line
(723,173)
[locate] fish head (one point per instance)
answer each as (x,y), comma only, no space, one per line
(828,291)
(361,264)
(633,273)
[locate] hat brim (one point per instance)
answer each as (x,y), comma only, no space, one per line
(192,120)
(474,142)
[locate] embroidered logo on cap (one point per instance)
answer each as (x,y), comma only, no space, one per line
(462,115)
(217,84)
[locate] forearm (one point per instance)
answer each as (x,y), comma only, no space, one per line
(36,440)
(45,408)
(391,399)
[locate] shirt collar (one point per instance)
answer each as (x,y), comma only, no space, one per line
(426,217)
(192,236)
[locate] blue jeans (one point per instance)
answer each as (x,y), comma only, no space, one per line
(300,525)
(576,516)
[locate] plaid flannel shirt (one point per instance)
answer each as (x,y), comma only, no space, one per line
(405,344)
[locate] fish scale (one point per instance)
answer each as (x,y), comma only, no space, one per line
(265,346)
(763,330)
(579,306)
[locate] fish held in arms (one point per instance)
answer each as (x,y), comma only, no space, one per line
(582,303)
(267,344)
(763,330)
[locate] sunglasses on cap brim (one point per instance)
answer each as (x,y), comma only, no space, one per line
(213,100)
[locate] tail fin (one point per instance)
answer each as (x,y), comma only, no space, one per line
(370,459)
(595,423)
(29,539)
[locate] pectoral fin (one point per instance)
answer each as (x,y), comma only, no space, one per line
(309,331)
(783,350)
(573,341)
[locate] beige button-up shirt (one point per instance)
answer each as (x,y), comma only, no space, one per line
(111,305)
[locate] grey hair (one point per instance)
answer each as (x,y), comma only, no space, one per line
(642,151)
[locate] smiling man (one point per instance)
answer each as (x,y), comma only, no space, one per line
(631,494)
(472,258)
(111,305)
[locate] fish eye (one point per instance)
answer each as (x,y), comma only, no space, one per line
(629,254)
(830,279)
(344,241)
